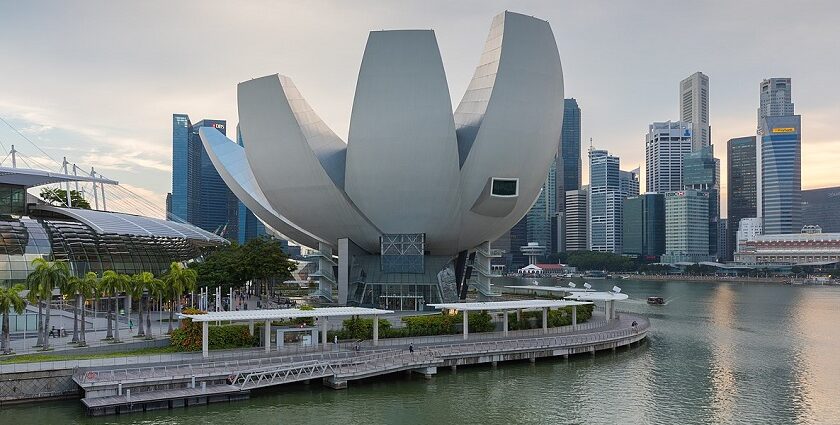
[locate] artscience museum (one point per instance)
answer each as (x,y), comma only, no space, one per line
(401,214)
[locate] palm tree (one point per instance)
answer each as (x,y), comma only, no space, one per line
(46,276)
(10,299)
(141,283)
(87,287)
(155,289)
(178,280)
(34,297)
(101,289)
(114,283)
(70,291)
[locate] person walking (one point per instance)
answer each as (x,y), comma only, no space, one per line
(411,348)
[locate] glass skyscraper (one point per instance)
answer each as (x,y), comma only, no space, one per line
(701,171)
(568,163)
(741,187)
(822,207)
(779,159)
(199,195)
(644,225)
(606,202)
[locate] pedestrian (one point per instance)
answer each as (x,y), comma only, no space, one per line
(411,348)
(61,331)
(52,332)
(130,325)
(335,339)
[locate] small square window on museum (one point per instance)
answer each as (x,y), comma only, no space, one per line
(505,187)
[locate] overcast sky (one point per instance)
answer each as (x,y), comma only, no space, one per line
(98,81)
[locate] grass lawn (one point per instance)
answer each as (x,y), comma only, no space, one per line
(53,357)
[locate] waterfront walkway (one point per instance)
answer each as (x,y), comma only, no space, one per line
(110,390)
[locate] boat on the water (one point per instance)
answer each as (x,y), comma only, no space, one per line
(656,300)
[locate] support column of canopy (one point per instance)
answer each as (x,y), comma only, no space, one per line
(505,323)
(251,327)
(574,317)
(324,332)
(205,343)
(375,331)
(267,331)
(466,324)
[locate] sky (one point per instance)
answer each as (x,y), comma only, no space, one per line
(98,81)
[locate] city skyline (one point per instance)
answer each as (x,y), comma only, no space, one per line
(107,101)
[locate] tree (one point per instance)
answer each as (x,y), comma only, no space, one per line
(46,276)
(139,285)
(178,279)
(57,196)
(87,287)
(260,259)
(10,299)
(113,283)
(70,291)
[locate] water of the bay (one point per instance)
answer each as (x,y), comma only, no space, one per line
(718,353)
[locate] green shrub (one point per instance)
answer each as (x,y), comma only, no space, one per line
(188,336)
(361,328)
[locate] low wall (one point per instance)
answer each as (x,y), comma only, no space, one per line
(24,387)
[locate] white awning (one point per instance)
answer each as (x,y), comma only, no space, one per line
(283,313)
(507,305)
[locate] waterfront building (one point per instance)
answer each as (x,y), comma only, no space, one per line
(740,188)
(410,202)
(199,195)
(644,225)
(748,229)
(665,146)
(686,227)
(606,202)
(822,207)
(577,219)
(809,247)
(701,171)
(629,182)
(694,108)
(778,159)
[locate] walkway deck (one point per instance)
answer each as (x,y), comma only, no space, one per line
(229,380)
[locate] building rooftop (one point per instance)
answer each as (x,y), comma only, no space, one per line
(30,177)
(283,313)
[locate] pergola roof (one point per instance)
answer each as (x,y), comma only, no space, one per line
(283,313)
(507,305)
(598,296)
(29,177)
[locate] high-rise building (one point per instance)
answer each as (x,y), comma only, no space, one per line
(686,226)
(199,195)
(740,186)
(644,225)
(748,229)
(722,241)
(694,108)
(701,171)
(538,219)
(665,146)
(605,202)
(629,182)
(821,207)
(778,159)
(250,227)
(567,168)
(577,219)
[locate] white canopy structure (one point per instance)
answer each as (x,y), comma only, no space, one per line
(609,299)
(505,306)
(280,314)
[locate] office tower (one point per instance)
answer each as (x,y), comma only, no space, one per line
(250,227)
(686,226)
(510,242)
(701,171)
(644,225)
(722,241)
(577,219)
(748,229)
(538,218)
(740,186)
(778,159)
(567,167)
(821,207)
(199,195)
(665,146)
(694,108)
(629,182)
(605,202)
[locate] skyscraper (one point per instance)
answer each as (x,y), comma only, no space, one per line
(701,171)
(629,182)
(778,159)
(694,108)
(686,226)
(666,145)
(199,195)
(741,187)
(568,161)
(605,202)
(538,218)
(577,219)
(644,225)
(822,207)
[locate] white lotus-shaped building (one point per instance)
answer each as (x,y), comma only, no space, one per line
(411,200)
